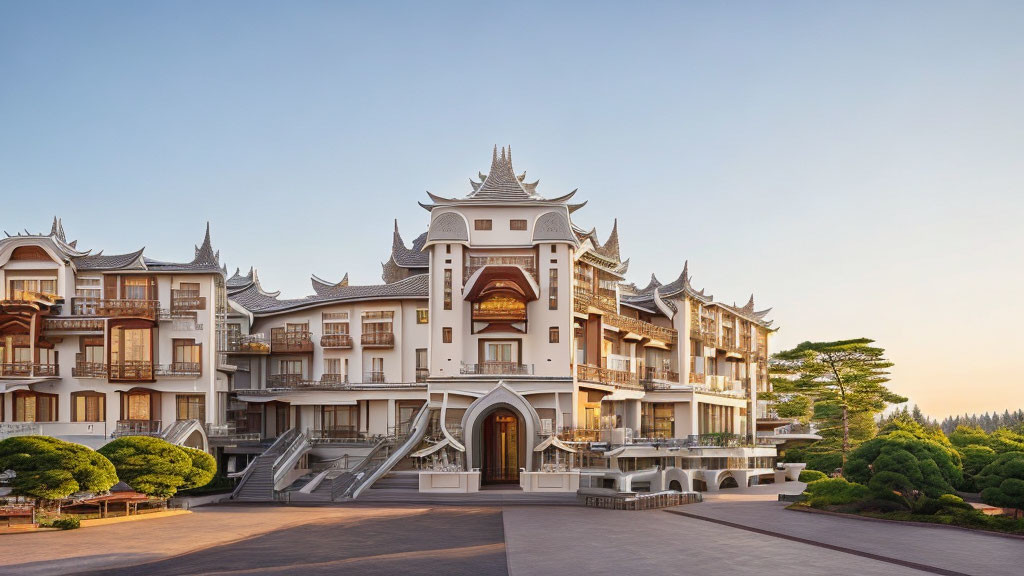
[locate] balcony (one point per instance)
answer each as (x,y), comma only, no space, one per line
(617,378)
(78,325)
(639,327)
(586,299)
(696,378)
(474,263)
(118,308)
(512,314)
(377,339)
(336,341)
(83,369)
(135,371)
(374,377)
(187,301)
(136,428)
(190,369)
(247,344)
(283,380)
(333,379)
(652,378)
(29,370)
(290,341)
(497,369)
(31,299)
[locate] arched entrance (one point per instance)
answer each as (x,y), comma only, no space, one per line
(500,447)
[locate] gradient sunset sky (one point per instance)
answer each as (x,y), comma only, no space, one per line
(856,166)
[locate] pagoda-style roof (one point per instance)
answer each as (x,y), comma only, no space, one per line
(320,285)
(238,282)
(500,185)
(605,256)
(405,262)
(683,287)
(262,303)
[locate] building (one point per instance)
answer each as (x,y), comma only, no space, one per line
(504,345)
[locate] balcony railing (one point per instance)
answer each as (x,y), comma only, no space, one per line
(89,370)
(32,296)
(655,375)
(290,341)
(696,378)
(497,369)
(283,380)
(374,377)
(28,369)
(332,378)
(126,308)
(247,344)
(584,299)
(499,315)
(187,300)
(377,339)
(617,378)
(193,369)
(59,324)
(136,428)
(336,341)
(131,371)
(474,263)
(422,374)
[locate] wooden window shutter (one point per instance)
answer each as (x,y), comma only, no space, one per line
(110,286)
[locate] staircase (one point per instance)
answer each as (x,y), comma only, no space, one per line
(259,481)
(181,430)
(403,447)
(398,481)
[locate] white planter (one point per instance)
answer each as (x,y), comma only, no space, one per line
(549,481)
(450,482)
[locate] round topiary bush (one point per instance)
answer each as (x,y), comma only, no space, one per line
(156,467)
(51,469)
(808,476)
(66,523)
(834,492)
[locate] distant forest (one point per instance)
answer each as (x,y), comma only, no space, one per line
(989,422)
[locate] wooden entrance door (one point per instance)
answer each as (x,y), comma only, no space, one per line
(500,448)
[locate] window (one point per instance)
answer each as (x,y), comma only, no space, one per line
(19,287)
(421,365)
(657,420)
(290,327)
(447,248)
(422,315)
(517,224)
(290,367)
(339,421)
(446,335)
(88,407)
(376,374)
(128,345)
(92,350)
(335,323)
(553,289)
(448,289)
(87,292)
(553,334)
(35,407)
(500,352)
(378,321)
(138,288)
(553,249)
(481,224)
(332,366)
(139,405)
(187,355)
(191,407)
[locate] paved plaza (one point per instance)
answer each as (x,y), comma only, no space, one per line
(731,533)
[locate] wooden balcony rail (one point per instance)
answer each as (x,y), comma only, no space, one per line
(136,428)
(422,374)
(83,369)
(651,374)
(645,329)
(118,308)
(187,300)
(378,339)
(283,380)
(132,371)
(585,298)
(497,369)
(331,378)
(290,341)
(336,341)
(374,377)
(247,344)
(696,378)
(84,306)
(510,315)
(180,369)
(474,263)
(617,378)
(72,324)
(29,369)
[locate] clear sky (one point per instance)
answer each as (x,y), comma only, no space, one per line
(857,166)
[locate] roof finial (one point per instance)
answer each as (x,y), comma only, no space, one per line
(510,154)
(494,158)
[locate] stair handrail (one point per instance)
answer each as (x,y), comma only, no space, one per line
(415,435)
(290,455)
(244,475)
(337,489)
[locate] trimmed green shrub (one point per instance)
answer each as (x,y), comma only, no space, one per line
(834,492)
(51,469)
(809,476)
(904,462)
(1002,481)
(976,457)
(156,467)
(66,523)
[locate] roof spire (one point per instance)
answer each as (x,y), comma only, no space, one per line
(205,253)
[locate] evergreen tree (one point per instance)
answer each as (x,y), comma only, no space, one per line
(841,382)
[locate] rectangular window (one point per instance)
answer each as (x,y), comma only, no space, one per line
(422,315)
(553,334)
(291,367)
(191,407)
(553,289)
(332,366)
(138,288)
(88,407)
(421,358)
(448,289)
(376,374)
(446,335)
(481,224)
(35,407)
(339,421)
(517,224)
(130,345)
(500,352)
(187,355)
(335,323)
